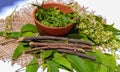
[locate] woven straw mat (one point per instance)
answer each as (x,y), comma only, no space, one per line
(7,46)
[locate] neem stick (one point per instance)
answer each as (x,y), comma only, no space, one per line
(38,38)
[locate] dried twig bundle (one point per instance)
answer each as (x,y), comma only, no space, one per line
(72,46)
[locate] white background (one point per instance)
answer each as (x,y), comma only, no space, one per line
(109,9)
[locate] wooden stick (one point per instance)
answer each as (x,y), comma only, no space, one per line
(38,44)
(38,38)
(62,49)
(53,47)
(77,53)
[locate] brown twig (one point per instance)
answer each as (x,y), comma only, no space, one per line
(38,44)
(76,53)
(62,49)
(53,47)
(38,38)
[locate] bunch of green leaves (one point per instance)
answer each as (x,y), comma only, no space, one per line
(54,18)
(29,30)
(53,61)
(92,27)
(26,31)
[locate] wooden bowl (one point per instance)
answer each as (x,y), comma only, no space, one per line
(53,31)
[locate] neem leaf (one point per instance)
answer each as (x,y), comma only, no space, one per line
(1,33)
(101,68)
(78,63)
(75,36)
(52,66)
(90,64)
(62,61)
(83,36)
(46,53)
(105,59)
(104,68)
(13,34)
(53,17)
(56,54)
(29,28)
(110,28)
(98,18)
(44,66)
(19,50)
(118,68)
(32,66)
(94,54)
(38,6)
(28,34)
(95,67)
(78,36)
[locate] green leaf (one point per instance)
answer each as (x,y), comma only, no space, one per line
(75,36)
(19,50)
(104,59)
(110,28)
(29,28)
(78,63)
(103,68)
(108,60)
(62,61)
(83,36)
(46,53)
(98,18)
(52,66)
(95,67)
(94,54)
(29,34)
(97,63)
(1,33)
(78,36)
(118,68)
(53,17)
(90,64)
(38,6)
(56,54)
(13,34)
(100,68)
(32,66)
(44,66)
